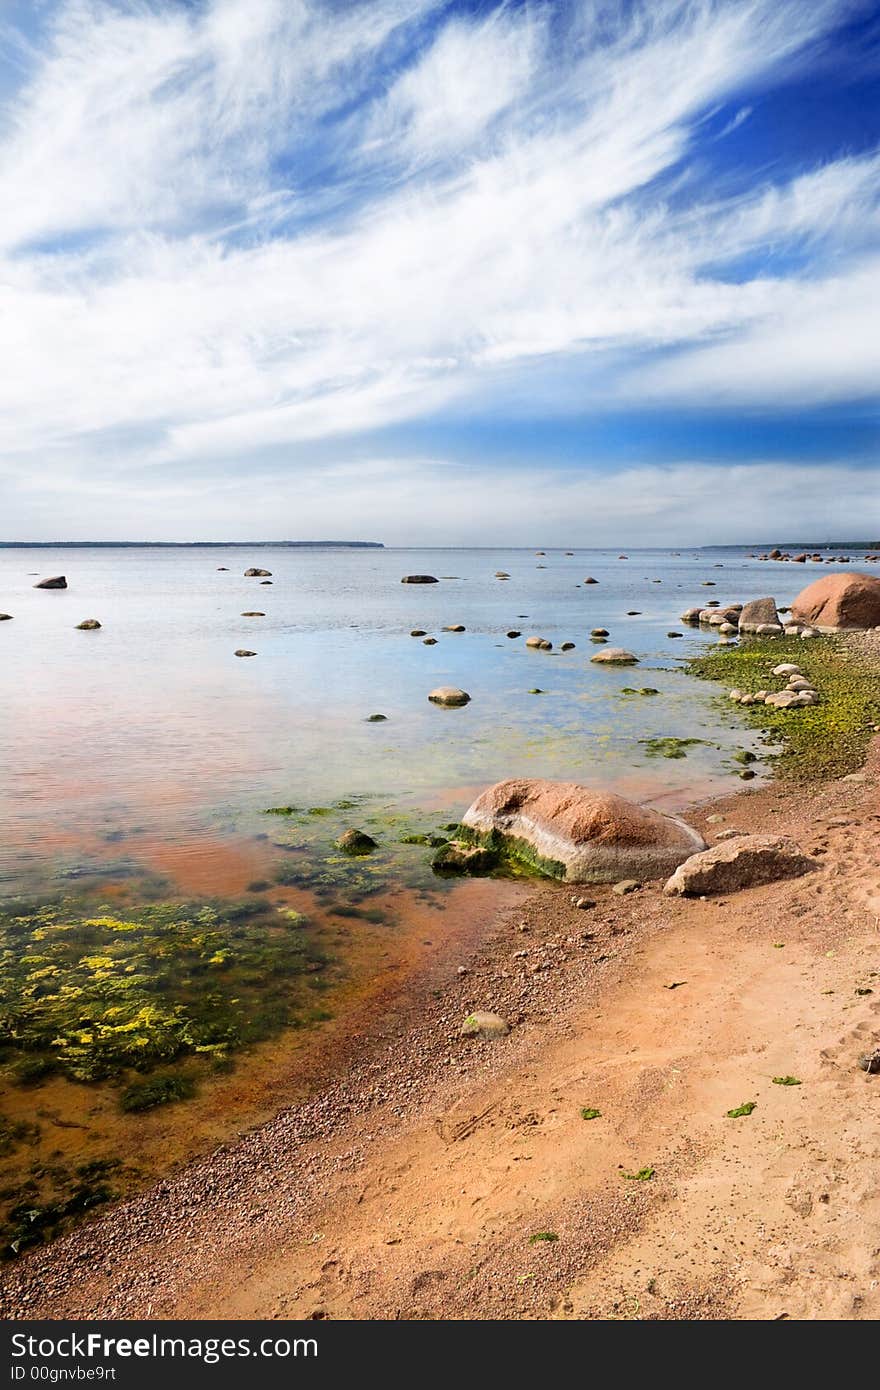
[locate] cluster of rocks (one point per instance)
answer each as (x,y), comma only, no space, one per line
(798,693)
(804,556)
(758,618)
(835,602)
(581,835)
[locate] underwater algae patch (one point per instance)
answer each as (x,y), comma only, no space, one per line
(134,1012)
(819,741)
(93,997)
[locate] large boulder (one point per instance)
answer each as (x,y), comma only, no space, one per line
(578,834)
(744,862)
(758,612)
(57,581)
(840,600)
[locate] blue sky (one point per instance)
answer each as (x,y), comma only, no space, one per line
(440,272)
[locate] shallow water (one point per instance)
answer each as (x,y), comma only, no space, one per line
(152,726)
(139,763)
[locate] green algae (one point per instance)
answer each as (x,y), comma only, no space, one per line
(510,857)
(740,1110)
(158,1090)
(819,741)
(668,747)
(94,997)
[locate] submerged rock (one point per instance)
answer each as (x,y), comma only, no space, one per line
(449,695)
(57,581)
(458,857)
(356,842)
(745,862)
(576,833)
(840,600)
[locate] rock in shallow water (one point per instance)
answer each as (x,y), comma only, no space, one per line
(745,862)
(88,625)
(58,581)
(449,695)
(255,573)
(420,579)
(616,656)
(759,612)
(356,842)
(578,834)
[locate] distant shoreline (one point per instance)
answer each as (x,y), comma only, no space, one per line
(190,545)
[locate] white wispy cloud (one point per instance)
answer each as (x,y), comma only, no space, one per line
(258,223)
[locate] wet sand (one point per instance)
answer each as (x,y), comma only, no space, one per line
(410,1186)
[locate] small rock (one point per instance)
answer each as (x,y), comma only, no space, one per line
(616,656)
(257,574)
(419,579)
(58,581)
(590,580)
(88,625)
(870,1062)
(626,885)
(454,627)
(418,632)
(485,1025)
(567,647)
(787,669)
(5,617)
(243,652)
(584,904)
(356,842)
(449,695)
(539,644)
(514,633)
(430,642)
(377,718)
(599,632)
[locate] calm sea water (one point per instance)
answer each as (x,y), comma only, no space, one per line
(153,726)
(142,882)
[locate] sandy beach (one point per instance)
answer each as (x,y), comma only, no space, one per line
(414,1185)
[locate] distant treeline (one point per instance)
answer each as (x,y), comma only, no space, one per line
(190,545)
(800,545)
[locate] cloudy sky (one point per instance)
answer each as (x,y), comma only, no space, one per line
(470,271)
